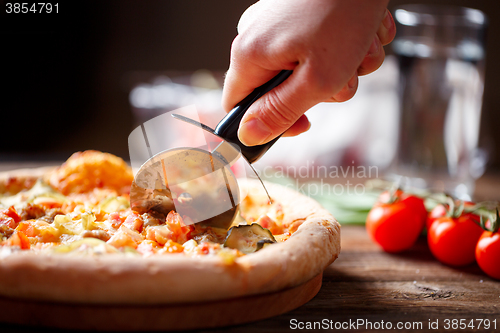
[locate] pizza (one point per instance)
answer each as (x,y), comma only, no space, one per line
(68,234)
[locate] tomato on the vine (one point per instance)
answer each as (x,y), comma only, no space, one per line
(488,246)
(436,213)
(452,240)
(488,253)
(440,210)
(396,221)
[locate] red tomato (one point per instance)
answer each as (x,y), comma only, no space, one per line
(436,212)
(181,231)
(396,226)
(11,212)
(439,211)
(9,217)
(453,240)
(20,239)
(488,253)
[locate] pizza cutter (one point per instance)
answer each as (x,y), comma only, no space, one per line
(195,182)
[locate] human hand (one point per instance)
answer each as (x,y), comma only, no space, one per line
(327,44)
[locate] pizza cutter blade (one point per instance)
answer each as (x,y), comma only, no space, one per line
(197,183)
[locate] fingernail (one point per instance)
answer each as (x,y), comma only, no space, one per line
(253,132)
(374,46)
(352,82)
(308,126)
(387,20)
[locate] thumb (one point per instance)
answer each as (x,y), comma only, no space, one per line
(282,107)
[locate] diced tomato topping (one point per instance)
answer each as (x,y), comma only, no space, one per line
(173,247)
(266,222)
(48,203)
(68,207)
(43,231)
(125,237)
(279,212)
(160,234)
(182,232)
(100,215)
(115,219)
(11,212)
(20,239)
(9,217)
(148,247)
(121,239)
(134,222)
(204,248)
(283,237)
(8,221)
(27,228)
(25,243)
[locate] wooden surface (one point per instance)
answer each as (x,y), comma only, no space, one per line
(49,315)
(367,284)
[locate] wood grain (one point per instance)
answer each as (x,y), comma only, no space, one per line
(367,283)
(48,315)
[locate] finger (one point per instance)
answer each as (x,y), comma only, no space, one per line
(387,29)
(347,92)
(244,75)
(373,59)
(279,109)
(248,16)
(300,126)
(239,84)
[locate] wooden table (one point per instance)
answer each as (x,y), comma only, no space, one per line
(412,288)
(366,287)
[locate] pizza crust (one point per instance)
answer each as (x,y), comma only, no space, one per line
(16,180)
(168,279)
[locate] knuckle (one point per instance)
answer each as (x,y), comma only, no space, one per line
(386,35)
(371,63)
(383,36)
(247,17)
(278,113)
(246,47)
(345,94)
(320,83)
(236,45)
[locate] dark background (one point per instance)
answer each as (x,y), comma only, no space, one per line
(66,77)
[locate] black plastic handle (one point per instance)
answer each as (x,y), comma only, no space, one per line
(228,126)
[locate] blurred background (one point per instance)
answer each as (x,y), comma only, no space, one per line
(70,80)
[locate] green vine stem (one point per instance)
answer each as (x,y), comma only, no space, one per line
(494,220)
